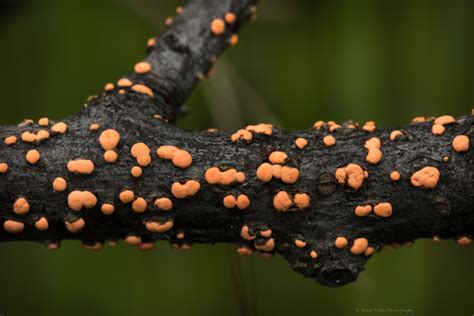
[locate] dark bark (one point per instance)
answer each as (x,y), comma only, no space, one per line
(182,52)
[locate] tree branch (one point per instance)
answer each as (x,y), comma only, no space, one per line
(117,171)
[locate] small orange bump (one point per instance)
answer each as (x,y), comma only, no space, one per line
(77,200)
(109,139)
(277,171)
(33,156)
(245,233)
(445,119)
(282,201)
(10,140)
(180,236)
(136,171)
(109,87)
(301,200)
(373,143)
(242,134)
(268,246)
(81,166)
(182,159)
(164,204)
(383,209)
(234,40)
(59,184)
(394,135)
(278,157)
(3,167)
(464,241)
(94,127)
(121,92)
(329,140)
(427,178)
(363,210)
(395,176)
(75,226)
(167,152)
(140,88)
(266,233)
(418,119)
(21,206)
(213,175)
(133,240)
(60,128)
(139,205)
(14,227)
(160,228)
(369,126)
(340,242)
(124,82)
(126,196)
(352,175)
(461,143)
(217,27)
(179,10)
(151,42)
(313,254)
(265,172)
(110,156)
(181,191)
(301,143)
(289,175)
(230,17)
(246,251)
(142,153)
(369,251)
(300,243)
(319,124)
(243,202)
(107,208)
(438,129)
(265,129)
(42,224)
(169,21)
(374,156)
(44,121)
(360,246)
(142,67)
(229,201)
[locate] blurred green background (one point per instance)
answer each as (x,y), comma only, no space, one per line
(302,60)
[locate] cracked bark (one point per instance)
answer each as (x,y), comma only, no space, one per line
(183,53)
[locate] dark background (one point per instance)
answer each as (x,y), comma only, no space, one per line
(301,61)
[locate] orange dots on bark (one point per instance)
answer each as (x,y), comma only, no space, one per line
(278,157)
(289,175)
(39,136)
(329,140)
(242,134)
(217,27)
(110,156)
(437,129)
(245,233)
(133,240)
(265,172)
(460,143)
(394,135)
(141,88)
(374,154)
(301,200)
(21,206)
(81,166)
(445,119)
(351,175)
(230,17)
(44,121)
(234,40)
(369,126)
(109,139)
(241,202)
(136,172)
(301,143)
(3,167)
(75,226)
(164,204)
(77,200)
(269,245)
(42,224)
(109,87)
(383,209)
(214,175)
(318,124)
(107,208)
(313,254)
(179,158)
(464,241)
(151,42)
(94,127)
(10,140)
(142,67)
(124,82)
(188,189)
(60,128)
(395,176)
(359,246)
(282,201)
(363,210)
(369,251)
(142,153)
(266,233)
(156,227)
(264,129)
(139,205)
(418,119)
(59,184)
(300,243)
(426,178)
(179,10)
(126,196)
(13,227)
(340,242)
(33,156)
